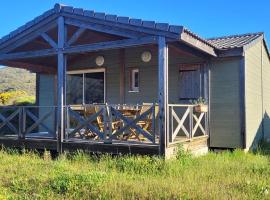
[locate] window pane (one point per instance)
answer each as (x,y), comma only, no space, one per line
(94,87)
(136,79)
(74,89)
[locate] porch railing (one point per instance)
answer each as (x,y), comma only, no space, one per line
(185,123)
(27,121)
(104,123)
(112,123)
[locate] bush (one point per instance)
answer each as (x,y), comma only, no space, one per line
(25,100)
(16,97)
(6,97)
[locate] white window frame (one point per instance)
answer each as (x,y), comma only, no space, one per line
(133,88)
(87,71)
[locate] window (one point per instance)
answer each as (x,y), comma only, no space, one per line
(74,90)
(85,87)
(134,80)
(190,83)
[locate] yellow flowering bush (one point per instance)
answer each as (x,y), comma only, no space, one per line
(6,97)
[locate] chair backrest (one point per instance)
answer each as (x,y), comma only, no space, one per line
(89,110)
(145,107)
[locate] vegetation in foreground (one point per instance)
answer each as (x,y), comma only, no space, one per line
(214,176)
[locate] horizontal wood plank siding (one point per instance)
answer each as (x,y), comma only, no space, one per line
(46,98)
(148,80)
(148,76)
(46,90)
(266,93)
(225,104)
(112,68)
(254,95)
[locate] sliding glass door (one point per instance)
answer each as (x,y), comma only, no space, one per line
(85,87)
(94,87)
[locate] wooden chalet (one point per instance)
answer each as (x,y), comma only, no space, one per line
(112,84)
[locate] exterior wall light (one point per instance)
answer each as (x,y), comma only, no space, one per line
(146,56)
(100,60)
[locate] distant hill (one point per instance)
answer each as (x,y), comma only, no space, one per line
(17,79)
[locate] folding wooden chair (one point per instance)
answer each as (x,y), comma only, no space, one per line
(145,124)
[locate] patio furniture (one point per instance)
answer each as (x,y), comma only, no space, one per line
(145,124)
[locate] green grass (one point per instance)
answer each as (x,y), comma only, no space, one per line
(214,176)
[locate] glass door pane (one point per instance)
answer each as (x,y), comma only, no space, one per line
(94,87)
(74,89)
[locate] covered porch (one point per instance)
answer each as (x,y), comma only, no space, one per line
(107,84)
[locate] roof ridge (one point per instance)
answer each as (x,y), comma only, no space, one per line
(234,36)
(58,8)
(120,19)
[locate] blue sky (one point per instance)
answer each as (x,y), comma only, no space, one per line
(207,18)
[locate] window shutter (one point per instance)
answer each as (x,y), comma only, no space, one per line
(189,84)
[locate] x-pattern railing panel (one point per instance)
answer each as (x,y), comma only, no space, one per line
(132,124)
(26,120)
(192,124)
(180,122)
(38,121)
(85,122)
(198,124)
(6,121)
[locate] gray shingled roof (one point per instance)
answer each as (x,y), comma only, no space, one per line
(59,8)
(234,41)
(219,43)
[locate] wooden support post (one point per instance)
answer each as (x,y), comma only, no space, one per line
(61,73)
(23,122)
(122,76)
(190,122)
(163,93)
(242,102)
(20,122)
(154,122)
(206,96)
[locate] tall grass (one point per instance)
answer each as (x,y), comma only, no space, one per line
(228,175)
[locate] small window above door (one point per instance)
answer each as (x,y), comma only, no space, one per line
(134,82)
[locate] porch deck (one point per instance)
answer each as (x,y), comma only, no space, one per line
(33,127)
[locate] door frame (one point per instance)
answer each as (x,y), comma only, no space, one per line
(88,71)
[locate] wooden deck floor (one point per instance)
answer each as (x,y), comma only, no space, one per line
(89,146)
(119,147)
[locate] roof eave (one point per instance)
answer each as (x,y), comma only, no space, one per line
(197,43)
(171,32)
(233,52)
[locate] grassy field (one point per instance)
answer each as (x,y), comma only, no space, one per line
(215,176)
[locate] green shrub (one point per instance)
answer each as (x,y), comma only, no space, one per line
(16,98)
(25,100)
(6,97)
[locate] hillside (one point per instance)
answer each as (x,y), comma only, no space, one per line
(17,79)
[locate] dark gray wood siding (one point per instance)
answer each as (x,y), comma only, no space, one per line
(225,129)
(257,94)
(148,81)
(46,98)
